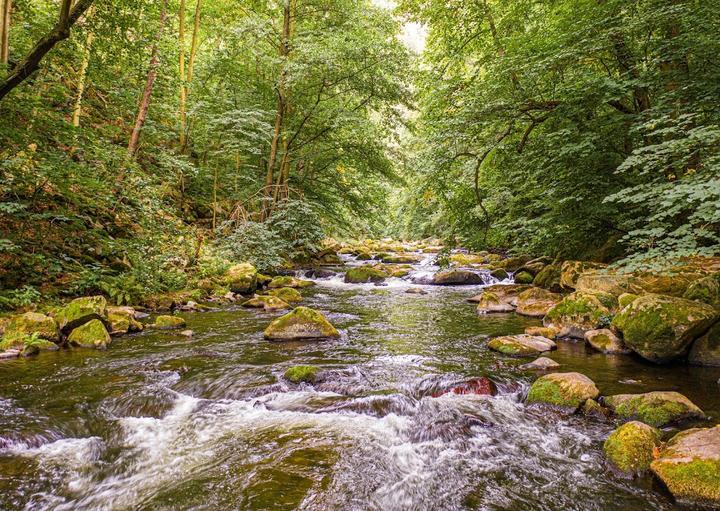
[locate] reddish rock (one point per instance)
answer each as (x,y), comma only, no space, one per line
(478,386)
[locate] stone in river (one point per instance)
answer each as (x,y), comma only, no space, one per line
(521,345)
(301,323)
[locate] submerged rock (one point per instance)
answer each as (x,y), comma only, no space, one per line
(80,311)
(286,294)
(301,323)
(565,390)
(660,328)
(477,386)
(169,322)
(457,278)
(536,302)
(706,350)
(364,275)
(521,345)
(541,364)
(605,341)
(288,281)
(268,303)
(579,312)
(654,408)
(241,278)
(302,374)
(630,447)
(689,466)
(90,335)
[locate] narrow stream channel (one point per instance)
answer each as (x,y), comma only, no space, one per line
(161,422)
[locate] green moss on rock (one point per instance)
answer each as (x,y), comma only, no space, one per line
(169,322)
(549,278)
(301,323)
(576,314)
(654,408)
(122,320)
(570,271)
(287,294)
(626,299)
(522,345)
(536,302)
(31,323)
(630,447)
(705,290)
(565,390)
(241,278)
(524,277)
(289,281)
(80,311)
(90,335)
(302,374)
(269,303)
(364,274)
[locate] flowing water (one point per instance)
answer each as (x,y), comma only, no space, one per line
(161,422)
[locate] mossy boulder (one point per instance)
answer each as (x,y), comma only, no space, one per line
(706,350)
(500,274)
(523,277)
(661,328)
(672,283)
(521,345)
(705,290)
(291,282)
(457,278)
(564,390)
(489,302)
(263,280)
(122,320)
(536,302)
(286,294)
(626,299)
(604,340)
(365,274)
(169,322)
(400,259)
(25,325)
(579,312)
(81,311)
(570,271)
(302,374)
(363,256)
(549,278)
(689,466)
(301,323)
(90,335)
(513,263)
(654,408)
(241,278)
(630,447)
(268,303)
(605,281)
(461,259)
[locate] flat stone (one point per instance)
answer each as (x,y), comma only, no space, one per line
(541,364)
(521,345)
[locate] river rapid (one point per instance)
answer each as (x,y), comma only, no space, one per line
(164,422)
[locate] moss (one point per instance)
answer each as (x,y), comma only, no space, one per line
(705,290)
(566,390)
(286,294)
(545,391)
(288,281)
(301,323)
(698,480)
(169,322)
(34,345)
(241,278)
(364,274)
(32,323)
(267,303)
(298,374)
(630,447)
(549,278)
(123,320)
(513,349)
(81,311)
(90,335)
(626,299)
(499,274)
(654,408)
(524,277)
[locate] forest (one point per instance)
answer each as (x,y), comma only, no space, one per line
(217,162)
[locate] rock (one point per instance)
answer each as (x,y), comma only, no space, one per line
(364,274)
(513,263)
(476,386)
(90,335)
(521,345)
(25,325)
(626,299)
(705,290)
(542,331)
(263,280)
(122,320)
(654,408)
(592,408)
(689,466)
(9,354)
(579,312)
(566,390)
(302,374)
(81,311)
(187,333)
(301,323)
(533,267)
(536,302)
(168,322)
(605,341)
(570,271)
(320,273)
(499,274)
(457,278)
(549,278)
(400,259)
(268,303)
(363,256)
(286,294)
(523,277)
(230,296)
(706,350)
(660,328)
(630,447)
(34,345)
(461,259)
(241,278)
(416,291)
(603,281)
(673,283)
(504,292)
(540,364)
(288,281)
(489,302)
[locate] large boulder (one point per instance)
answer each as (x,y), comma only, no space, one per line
(536,302)
(286,294)
(604,281)
(706,350)
(90,335)
(521,345)
(605,341)
(705,290)
(301,323)
(654,408)
(689,466)
(579,312)
(549,278)
(490,302)
(81,311)
(630,447)
(288,281)
(523,277)
(660,328)
(672,283)
(456,278)
(364,274)
(241,278)
(122,320)
(570,271)
(565,390)
(400,259)
(25,325)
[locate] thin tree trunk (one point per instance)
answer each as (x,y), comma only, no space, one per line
(215,188)
(183,89)
(149,84)
(5,14)
(61,31)
(77,110)
(187,80)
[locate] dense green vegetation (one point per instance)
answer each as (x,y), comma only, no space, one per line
(146,144)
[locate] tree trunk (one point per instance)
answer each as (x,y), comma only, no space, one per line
(186,80)
(61,31)
(77,110)
(181,44)
(149,84)
(5,12)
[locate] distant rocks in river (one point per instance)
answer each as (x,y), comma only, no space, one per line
(365,275)
(457,278)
